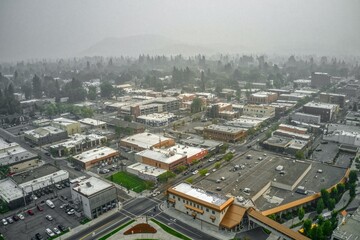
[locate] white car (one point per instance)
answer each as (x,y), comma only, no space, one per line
(56,231)
(195,172)
(4,221)
(49,217)
(207,174)
(21,216)
(155,193)
(71,212)
(49,232)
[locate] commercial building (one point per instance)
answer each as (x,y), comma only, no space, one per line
(13,196)
(215,109)
(246,122)
(259,111)
(76,144)
(224,133)
(68,125)
(45,135)
(320,80)
(292,97)
(38,178)
(145,171)
(203,205)
(164,159)
(293,129)
(283,133)
(142,141)
(306,118)
(285,144)
(333,98)
(116,122)
(92,123)
(95,157)
(17,158)
(348,135)
(302,83)
(156,119)
(95,196)
(192,153)
(263,97)
(326,111)
(352,118)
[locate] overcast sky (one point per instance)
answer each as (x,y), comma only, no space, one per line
(49,28)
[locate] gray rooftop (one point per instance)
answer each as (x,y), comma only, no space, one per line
(35,173)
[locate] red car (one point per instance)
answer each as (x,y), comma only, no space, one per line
(30,212)
(39,208)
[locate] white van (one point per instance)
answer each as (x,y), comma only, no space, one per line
(50,204)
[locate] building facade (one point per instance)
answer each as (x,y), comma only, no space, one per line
(94,157)
(259,110)
(320,80)
(45,135)
(326,111)
(225,133)
(68,125)
(333,98)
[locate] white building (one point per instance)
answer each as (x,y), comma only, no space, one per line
(94,195)
(156,119)
(145,171)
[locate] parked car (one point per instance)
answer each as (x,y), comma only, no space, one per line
(38,236)
(58,186)
(4,222)
(62,228)
(21,216)
(49,217)
(56,231)
(16,218)
(71,212)
(30,212)
(9,220)
(39,208)
(49,232)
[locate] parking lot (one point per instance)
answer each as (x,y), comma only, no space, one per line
(37,223)
(325,153)
(344,159)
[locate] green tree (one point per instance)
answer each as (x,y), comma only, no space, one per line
(335,194)
(301,213)
(352,176)
(92,93)
(36,86)
(196,105)
(317,233)
(307,227)
(26,88)
(300,154)
(163,178)
(217,165)
(203,172)
(127,118)
(320,206)
(327,228)
(325,195)
(106,90)
(341,188)
(181,168)
(190,180)
(331,204)
(352,190)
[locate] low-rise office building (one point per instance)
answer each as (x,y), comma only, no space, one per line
(326,111)
(348,135)
(165,159)
(12,195)
(145,171)
(45,135)
(352,118)
(76,144)
(95,196)
(224,133)
(263,97)
(68,125)
(17,158)
(320,80)
(259,110)
(142,141)
(293,129)
(203,205)
(95,157)
(192,153)
(306,118)
(156,119)
(333,98)
(92,123)
(246,122)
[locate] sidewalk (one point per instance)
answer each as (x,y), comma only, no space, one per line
(205,227)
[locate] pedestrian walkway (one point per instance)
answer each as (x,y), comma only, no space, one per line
(205,227)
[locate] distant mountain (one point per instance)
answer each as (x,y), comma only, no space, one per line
(143,44)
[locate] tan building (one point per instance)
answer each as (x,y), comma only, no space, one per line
(95,157)
(68,125)
(224,133)
(142,141)
(263,97)
(203,205)
(293,129)
(259,110)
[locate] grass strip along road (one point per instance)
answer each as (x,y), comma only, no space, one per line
(116,230)
(170,230)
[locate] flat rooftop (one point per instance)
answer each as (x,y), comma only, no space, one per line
(165,156)
(63,121)
(43,131)
(206,196)
(9,190)
(256,174)
(77,139)
(145,140)
(95,154)
(92,122)
(12,152)
(186,150)
(226,129)
(157,116)
(44,170)
(350,229)
(147,169)
(91,186)
(321,105)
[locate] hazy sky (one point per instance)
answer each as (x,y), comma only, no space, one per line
(49,28)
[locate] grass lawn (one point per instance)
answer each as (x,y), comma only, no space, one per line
(116,230)
(170,230)
(131,181)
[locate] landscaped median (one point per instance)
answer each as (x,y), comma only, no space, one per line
(116,230)
(170,230)
(131,182)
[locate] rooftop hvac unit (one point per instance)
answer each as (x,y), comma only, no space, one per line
(88,184)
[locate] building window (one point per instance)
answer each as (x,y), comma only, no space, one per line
(213,212)
(207,210)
